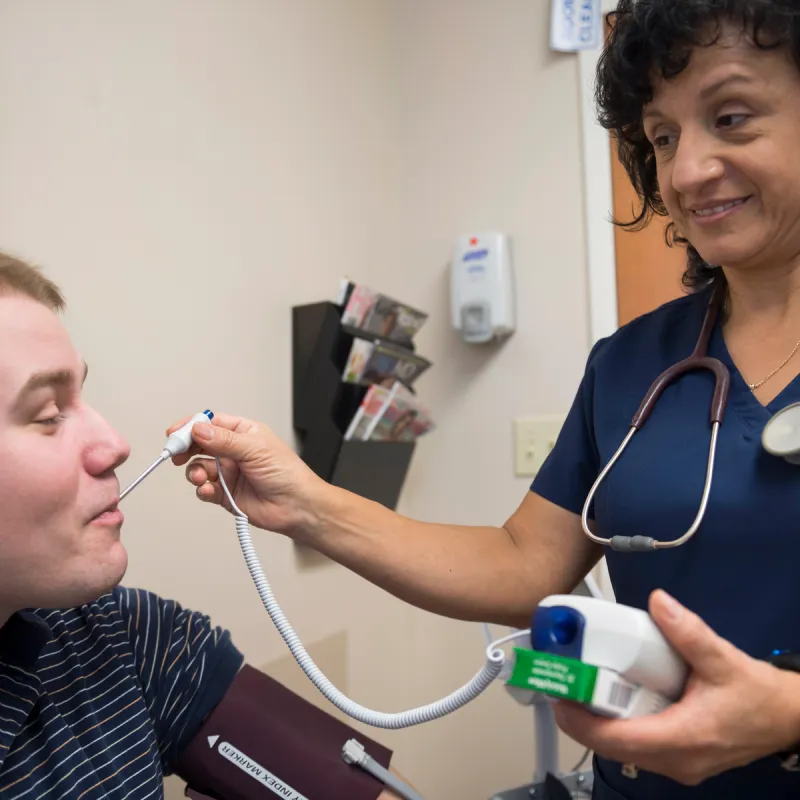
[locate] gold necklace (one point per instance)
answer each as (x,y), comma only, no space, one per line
(753,386)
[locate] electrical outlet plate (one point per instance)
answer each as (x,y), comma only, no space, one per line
(533,440)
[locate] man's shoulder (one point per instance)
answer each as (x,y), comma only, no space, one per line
(147,620)
(104,606)
(118,604)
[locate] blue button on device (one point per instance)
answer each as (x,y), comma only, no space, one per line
(558,630)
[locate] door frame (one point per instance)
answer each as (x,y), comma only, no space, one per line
(598,201)
(598,204)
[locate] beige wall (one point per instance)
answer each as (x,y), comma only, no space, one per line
(190,169)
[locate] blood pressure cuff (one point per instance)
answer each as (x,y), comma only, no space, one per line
(263,741)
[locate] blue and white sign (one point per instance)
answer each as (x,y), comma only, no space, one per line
(575,25)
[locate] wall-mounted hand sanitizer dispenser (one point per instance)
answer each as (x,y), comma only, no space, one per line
(482,288)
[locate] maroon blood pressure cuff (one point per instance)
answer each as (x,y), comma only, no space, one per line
(263,737)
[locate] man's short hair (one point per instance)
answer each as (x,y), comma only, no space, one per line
(20,277)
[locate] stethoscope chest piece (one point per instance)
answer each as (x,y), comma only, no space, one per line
(781,436)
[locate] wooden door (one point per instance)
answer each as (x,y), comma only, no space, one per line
(648,270)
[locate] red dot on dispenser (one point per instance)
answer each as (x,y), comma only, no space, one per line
(473,241)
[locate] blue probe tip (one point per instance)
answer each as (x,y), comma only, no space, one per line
(209,414)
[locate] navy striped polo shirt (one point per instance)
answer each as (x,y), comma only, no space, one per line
(98,701)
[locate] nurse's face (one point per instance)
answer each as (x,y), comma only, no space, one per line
(726,135)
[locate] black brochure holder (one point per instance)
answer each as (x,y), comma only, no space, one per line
(324,405)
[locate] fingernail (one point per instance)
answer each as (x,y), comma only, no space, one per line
(672,608)
(203,431)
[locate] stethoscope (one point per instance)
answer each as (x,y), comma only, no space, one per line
(781,436)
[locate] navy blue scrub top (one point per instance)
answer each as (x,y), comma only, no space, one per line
(740,572)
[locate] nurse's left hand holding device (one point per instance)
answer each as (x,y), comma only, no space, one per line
(735,709)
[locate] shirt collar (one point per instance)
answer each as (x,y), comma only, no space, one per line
(22,639)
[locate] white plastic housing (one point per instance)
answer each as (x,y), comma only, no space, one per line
(626,640)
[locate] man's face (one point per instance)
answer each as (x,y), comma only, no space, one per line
(59,528)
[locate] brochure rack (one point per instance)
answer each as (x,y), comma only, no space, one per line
(323,406)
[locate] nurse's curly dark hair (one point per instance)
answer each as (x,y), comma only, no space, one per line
(647,36)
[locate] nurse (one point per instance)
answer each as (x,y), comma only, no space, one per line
(705,101)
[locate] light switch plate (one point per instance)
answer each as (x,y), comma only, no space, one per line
(533,440)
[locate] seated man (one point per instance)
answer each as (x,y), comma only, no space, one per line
(104,690)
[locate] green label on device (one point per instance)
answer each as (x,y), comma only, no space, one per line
(556,676)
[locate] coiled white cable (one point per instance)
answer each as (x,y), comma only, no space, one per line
(495,657)
(178,443)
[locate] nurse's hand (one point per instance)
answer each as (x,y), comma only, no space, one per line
(269,482)
(735,709)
